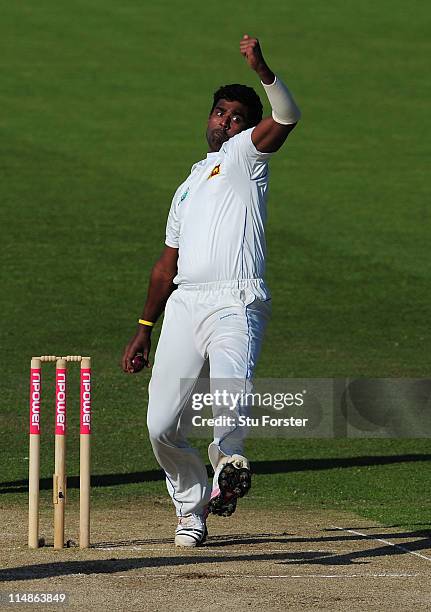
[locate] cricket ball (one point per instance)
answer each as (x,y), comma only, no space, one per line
(138,362)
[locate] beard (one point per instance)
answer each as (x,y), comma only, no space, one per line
(216,138)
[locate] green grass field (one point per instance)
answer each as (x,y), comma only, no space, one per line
(104,107)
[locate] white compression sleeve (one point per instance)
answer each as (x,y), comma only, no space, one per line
(284,108)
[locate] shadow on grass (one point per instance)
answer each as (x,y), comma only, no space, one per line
(247,539)
(259,467)
(197,557)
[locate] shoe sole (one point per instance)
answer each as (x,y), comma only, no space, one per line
(233,483)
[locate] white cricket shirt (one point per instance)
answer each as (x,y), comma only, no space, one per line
(217,216)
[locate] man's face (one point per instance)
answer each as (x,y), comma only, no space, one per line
(226,120)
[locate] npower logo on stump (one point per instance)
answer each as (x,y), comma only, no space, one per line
(60,402)
(35,380)
(85,427)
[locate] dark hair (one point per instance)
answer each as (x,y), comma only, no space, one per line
(245,95)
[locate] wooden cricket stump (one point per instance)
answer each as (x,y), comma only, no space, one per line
(34,453)
(85,454)
(59,477)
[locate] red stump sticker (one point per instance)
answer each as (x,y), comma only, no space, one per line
(60,402)
(35,389)
(85,421)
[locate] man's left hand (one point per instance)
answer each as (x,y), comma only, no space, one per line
(250,49)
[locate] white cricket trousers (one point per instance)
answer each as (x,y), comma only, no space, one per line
(223,322)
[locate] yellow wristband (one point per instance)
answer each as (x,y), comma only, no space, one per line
(143,322)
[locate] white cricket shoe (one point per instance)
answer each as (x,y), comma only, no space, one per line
(232,479)
(191,531)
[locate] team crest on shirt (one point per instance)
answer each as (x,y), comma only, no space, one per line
(214,171)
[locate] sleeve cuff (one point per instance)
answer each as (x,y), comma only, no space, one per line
(171,243)
(270,84)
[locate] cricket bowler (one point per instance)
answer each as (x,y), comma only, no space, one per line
(209,282)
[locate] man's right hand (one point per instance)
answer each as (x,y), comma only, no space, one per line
(140,343)
(161,286)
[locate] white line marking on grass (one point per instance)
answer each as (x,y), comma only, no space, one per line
(367,536)
(140,548)
(269,576)
(217,551)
